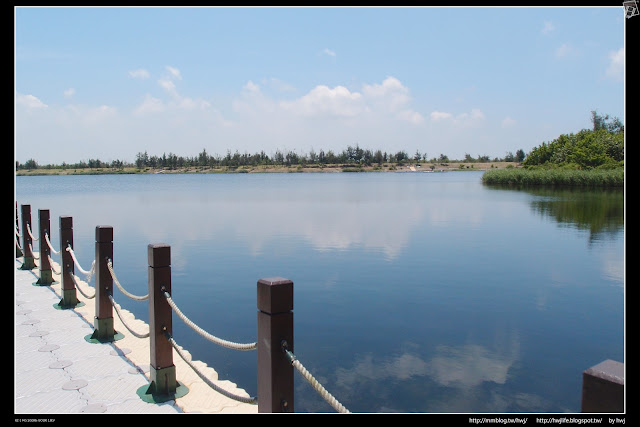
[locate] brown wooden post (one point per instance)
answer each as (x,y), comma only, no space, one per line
(66,240)
(103,320)
(69,297)
(275,327)
(603,387)
(18,250)
(163,384)
(46,277)
(28,263)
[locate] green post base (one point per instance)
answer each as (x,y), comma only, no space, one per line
(61,306)
(104,331)
(69,300)
(46,278)
(28,263)
(163,386)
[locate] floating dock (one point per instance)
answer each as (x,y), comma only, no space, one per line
(58,371)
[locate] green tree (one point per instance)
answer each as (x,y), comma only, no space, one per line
(602,122)
(30,164)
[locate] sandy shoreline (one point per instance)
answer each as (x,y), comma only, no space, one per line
(387,167)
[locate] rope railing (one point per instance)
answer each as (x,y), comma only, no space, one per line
(32,252)
(124,291)
(35,239)
(75,283)
(328,397)
(51,265)
(89,273)
(251,400)
(134,333)
(46,239)
(275,301)
(205,334)
(18,241)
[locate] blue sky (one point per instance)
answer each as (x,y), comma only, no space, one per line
(108,83)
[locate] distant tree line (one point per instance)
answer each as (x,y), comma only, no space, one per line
(600,147)
(90,164)
(352,155)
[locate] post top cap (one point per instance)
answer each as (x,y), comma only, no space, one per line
(104,233)
(159,255)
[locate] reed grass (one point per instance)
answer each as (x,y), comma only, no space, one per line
(555,177)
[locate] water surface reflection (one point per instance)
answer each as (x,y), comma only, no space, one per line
(413,292)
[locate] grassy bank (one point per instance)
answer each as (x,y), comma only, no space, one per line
(555,177)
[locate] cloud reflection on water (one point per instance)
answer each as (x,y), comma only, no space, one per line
(461,373)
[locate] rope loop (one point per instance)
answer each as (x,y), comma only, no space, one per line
(134,333)
(51,265)
(314,383)
(251,400)
(46,239)
(35,239)
(75,283)
(89,273)
(115,279)
(33,253)
(18,243)
(202,332)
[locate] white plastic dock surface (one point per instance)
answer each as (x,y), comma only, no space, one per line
(57,371)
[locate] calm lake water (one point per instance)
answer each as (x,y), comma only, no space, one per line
(413,292)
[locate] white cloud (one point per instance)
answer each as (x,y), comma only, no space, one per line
(94,115)
(253,102)
(507,122)
(475,116)
(437,116)
(390,95)
(616,64)
(410,116)
(329,52)
(29,101)
(139,74)
(278,85)
(69,92)
(150,105)
(261,117)
(169,86)
(174,72)
(387,99)
(193,104)
(564,50)
(323,100)
(547,28)
(251,87)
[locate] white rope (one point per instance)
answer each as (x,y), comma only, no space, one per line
(135,334)
(30,234)
(51,265)
(73,279)
(18,243)
(32,254)
(87,273)
(113,275)
(46,239)
(316,385)
(252,400)
(215,340)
